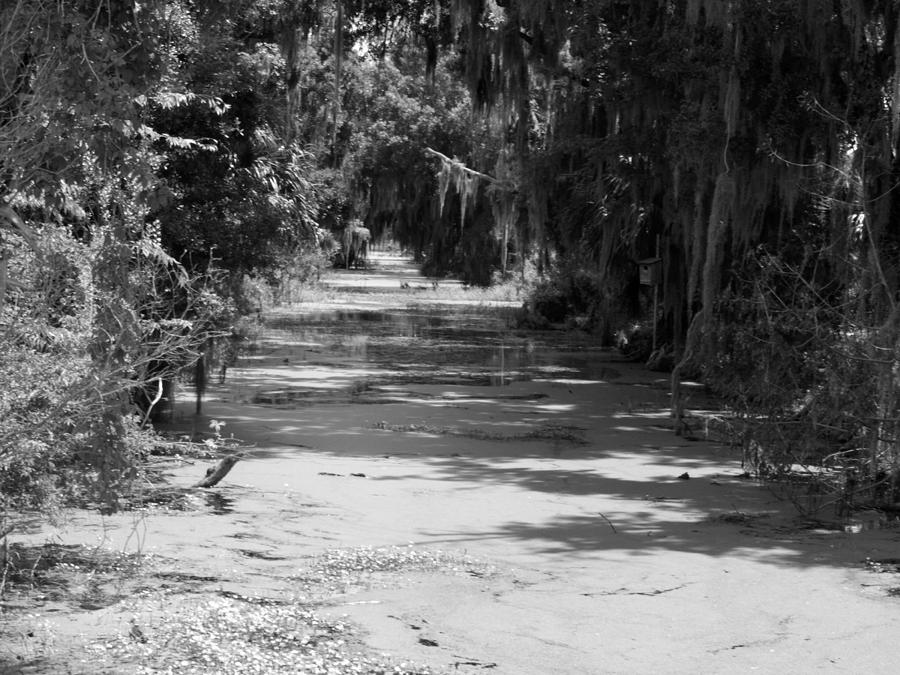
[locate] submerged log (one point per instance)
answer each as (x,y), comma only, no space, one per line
(216,473)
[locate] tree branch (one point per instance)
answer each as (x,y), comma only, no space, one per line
(456,164)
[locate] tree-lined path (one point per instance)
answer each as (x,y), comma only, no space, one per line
(450,453)
(492,499)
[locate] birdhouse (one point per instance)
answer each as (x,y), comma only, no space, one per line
(650,271)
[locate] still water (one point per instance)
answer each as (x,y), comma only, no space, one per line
(475,346)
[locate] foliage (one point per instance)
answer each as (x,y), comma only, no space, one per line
(159,161)
(241,194)
(130,133)
(716,128)
(396,113)
(32,458)
(296,270)
(78,340)
(809,387)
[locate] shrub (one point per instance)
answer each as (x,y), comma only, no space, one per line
(812,388)
(547,304)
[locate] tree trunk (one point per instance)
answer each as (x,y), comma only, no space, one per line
(338,62)
(717,226)
(200,380)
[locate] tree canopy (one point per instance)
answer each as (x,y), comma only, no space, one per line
(757,141)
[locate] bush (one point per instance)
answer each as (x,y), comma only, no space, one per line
(48,425)
(636,342)
(812,390)
(84,326)
(302,268)
(579,298)
(547,304)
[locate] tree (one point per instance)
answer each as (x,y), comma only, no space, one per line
(733,132)
(242,193)
(86,307)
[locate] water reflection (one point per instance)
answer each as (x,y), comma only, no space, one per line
(218,503)
(465,346)
(357,346)
(511,363)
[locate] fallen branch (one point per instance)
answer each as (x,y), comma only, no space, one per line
(216,473)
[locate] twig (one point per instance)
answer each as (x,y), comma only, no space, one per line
(609,522)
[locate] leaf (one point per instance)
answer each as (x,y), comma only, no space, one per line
(169,100)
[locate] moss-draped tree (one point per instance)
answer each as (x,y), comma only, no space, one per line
(757,141)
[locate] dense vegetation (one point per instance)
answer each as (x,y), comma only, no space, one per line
(166,165)
(758,143)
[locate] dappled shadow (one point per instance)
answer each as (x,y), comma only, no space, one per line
(521,424)
(614,474)
(412,361)
(562,480)
(716,515)
(299,358)
(631,500)
(714,512)
(770,539)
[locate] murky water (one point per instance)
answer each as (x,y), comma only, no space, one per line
(478,346)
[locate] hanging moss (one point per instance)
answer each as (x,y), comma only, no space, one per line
(745,102)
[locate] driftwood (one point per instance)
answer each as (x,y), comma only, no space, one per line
(216,473)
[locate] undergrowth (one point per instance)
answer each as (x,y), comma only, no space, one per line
(811,389)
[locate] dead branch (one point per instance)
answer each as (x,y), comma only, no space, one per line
(458,165)
(216,473)
(156,399)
